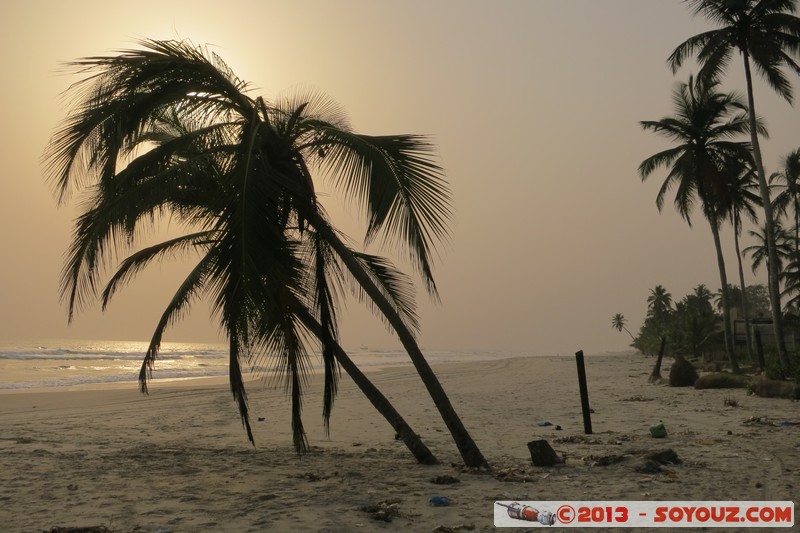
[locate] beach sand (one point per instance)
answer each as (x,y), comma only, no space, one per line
(179,459)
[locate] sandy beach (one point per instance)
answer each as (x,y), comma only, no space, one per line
(179,460)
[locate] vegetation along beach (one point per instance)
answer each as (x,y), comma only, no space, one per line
(358,278)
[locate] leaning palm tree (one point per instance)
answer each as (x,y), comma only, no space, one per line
(704,122)
(618,323)
(171,130)
(767,34)
(182,173)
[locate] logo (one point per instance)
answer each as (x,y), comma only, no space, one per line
(517,511)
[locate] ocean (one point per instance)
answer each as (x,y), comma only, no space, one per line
(70,363)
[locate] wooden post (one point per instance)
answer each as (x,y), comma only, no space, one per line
(587,416)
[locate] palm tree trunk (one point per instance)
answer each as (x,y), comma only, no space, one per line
(655,376)
(470,453)
(796,225)
(726,307)
(736,228)
(633,339)
(376,398)
(772,253)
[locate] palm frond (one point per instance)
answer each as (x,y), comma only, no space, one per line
(190,288)
(393,284)
(325,278)
(237,382)
(139,260)
(396,180)
(121,97)
(688,49)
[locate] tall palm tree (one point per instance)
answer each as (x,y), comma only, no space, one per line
(171,130)
(618,322)
(767,35)
(704,122)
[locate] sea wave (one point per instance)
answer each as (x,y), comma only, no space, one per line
(107,354)
(69,363)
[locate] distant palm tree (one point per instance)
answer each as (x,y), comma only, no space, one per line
(170,130)
(618,322)
(659,303)
(758,252)
(695,322)
(790,277)
(704,122)
(702,293)
(789,176)
(743,198)
(766,33)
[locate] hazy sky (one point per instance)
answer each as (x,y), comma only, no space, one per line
(535,108)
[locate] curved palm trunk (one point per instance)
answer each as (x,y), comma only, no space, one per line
(633,339)
(470,453)
(745,315)
(772,253)
(376,398)
(726,308)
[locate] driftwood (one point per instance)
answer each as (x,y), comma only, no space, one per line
(722,380)
(774,388)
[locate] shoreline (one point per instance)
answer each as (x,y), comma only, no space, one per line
(255,376)
(179,459)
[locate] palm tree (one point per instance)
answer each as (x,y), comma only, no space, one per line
(618,323)
(758,252)
(702,293)
(171,130)
(790,195)
(698,166)
(695,322)
(791,282)
(743,198)
(766,33)
(659,303)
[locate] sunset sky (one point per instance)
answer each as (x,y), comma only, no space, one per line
(534,106)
